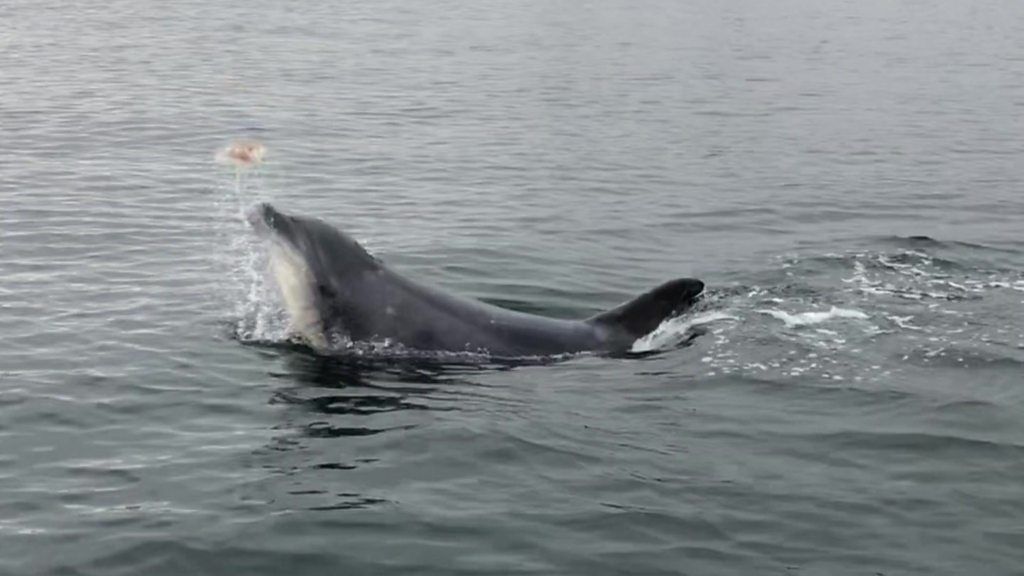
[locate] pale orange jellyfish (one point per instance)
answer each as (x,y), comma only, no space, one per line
(241,153)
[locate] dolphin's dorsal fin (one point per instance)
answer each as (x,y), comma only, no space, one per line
(641,315)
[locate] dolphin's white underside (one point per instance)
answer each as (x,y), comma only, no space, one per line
(295,281)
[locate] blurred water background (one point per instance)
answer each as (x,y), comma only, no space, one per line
(845,176)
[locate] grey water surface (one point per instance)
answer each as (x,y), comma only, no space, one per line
(846,176)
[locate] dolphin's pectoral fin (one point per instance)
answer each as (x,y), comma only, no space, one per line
(641,315)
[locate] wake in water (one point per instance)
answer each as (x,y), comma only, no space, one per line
(867,316)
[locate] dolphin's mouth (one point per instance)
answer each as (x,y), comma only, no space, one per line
(270,224)
(264,219)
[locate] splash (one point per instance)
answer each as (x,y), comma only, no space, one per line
(257,314)
(677,330)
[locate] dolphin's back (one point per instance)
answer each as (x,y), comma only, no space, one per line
(427,318)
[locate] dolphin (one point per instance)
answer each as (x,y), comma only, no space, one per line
(337,293)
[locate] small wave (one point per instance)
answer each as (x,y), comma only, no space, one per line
(909,275)
(383,353)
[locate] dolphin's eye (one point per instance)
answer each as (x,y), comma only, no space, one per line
(324,290)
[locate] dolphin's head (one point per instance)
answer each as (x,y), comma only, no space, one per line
(314,265)
(266,219)
(323,246)
(296,231)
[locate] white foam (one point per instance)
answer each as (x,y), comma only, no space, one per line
(809,318)
(675,330)
(904,322)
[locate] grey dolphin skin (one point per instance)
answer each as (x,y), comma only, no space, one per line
(333,289)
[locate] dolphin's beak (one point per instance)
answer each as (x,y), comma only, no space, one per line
(264,218)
